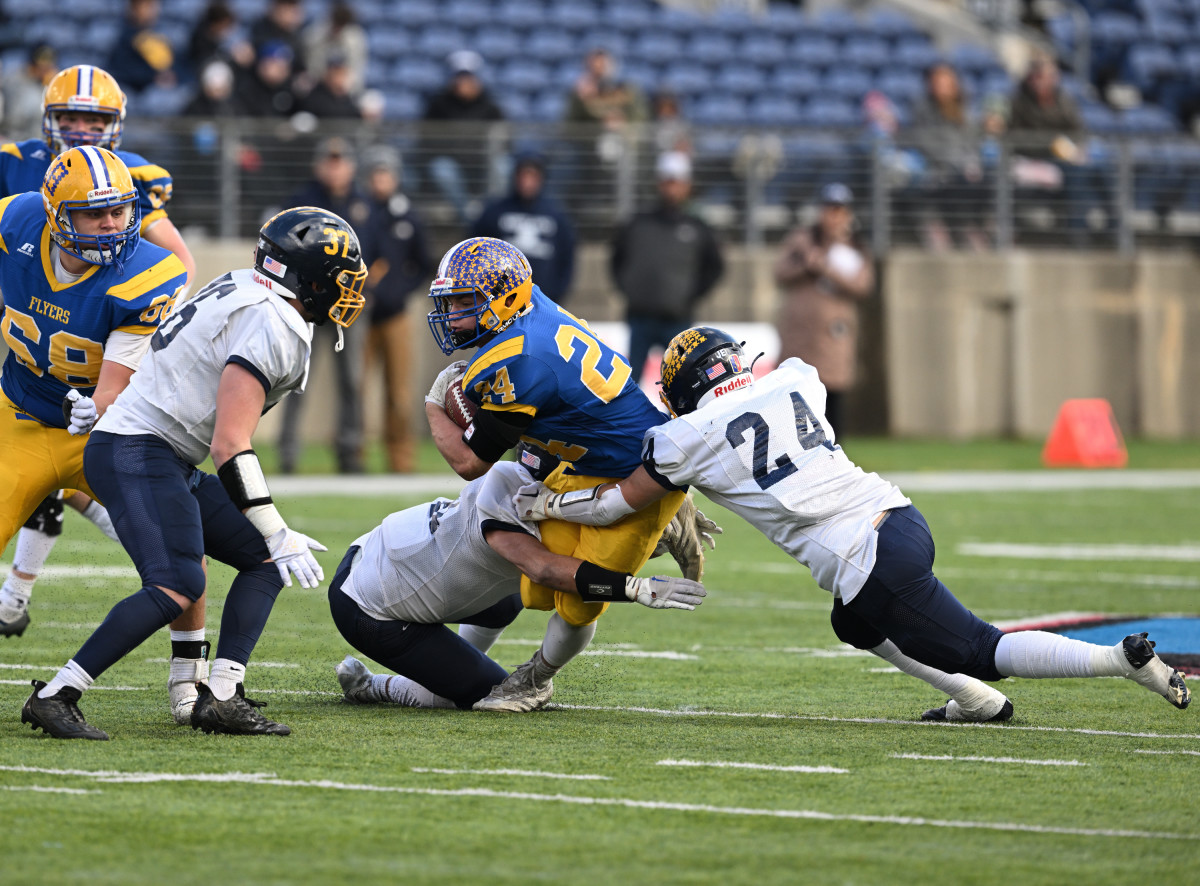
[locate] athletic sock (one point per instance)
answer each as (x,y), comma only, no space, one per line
(1038,654)
(14,596)
(188,644)
(225,677)
(98,514)
(403,691)
(561,644)
(128,624)
(967,691)
(29,556)
(247,607)
(480,637)
(70,675)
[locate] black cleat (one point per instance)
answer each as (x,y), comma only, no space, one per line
(16,627)
(941,715)
(237,715)
(59,715)
(1152,672)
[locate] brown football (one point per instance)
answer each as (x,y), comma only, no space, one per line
(460,409)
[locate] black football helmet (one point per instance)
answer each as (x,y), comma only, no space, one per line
(699,360)
(315,255)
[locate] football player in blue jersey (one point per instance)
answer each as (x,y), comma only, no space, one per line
(540,375)
(82,296)
(83,105)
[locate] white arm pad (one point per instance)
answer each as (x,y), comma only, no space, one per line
(587,507)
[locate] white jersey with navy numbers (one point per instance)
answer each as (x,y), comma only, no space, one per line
(767,453)
(430,564)
(234,319)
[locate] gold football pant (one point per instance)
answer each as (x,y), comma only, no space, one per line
(625,546)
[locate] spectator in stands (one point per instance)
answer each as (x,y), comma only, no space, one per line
(671,131)
(331,99)
(340,36)
(1046,127)
(460,149)
(142,57)
(955,192)
(216,97)
(396,249)
(216,36)
(663,262)
(23,93)
(535,223)
(270,89)
(282,22)
(823,273)
(333,188)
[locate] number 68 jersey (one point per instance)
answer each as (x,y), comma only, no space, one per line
(236,318)
(767,453)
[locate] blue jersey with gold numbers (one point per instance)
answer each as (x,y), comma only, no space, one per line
(23,165)
(56,332)
(586,407)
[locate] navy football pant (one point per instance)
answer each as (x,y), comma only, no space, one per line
(903,602)
(429,654)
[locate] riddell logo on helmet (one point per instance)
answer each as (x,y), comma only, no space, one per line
(738,381)
(262,281)
(103,194)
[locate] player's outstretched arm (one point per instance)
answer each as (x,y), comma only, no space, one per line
(589,581)
(595,506)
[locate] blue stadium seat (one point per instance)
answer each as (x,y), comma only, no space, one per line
(680,22)
(815,52)
(630,18)
(916,54)
(516,105)
(469,14)
(552,46)
(902,86)
(847,83)
(103,32)
(710,47)
(438,41)
(1168,29)
(414,13)
(994,83)
(418,74)
(614,41)
(499,44)
(646,77)
(786,21)
(549,106)
(867,52)
(402,104)
(968,58)
(775,111)
(796,81)
(1189,62)
(1148,63)
(656,48)
(729,20)
(572,15)
(837,23)
(892,25)
(523,75)
(740,79)
(520,14)
(764,50)
(368,12)
(1148,120)
(829,113)
(718,110)
(1099,118)
(388,42)
(687,78)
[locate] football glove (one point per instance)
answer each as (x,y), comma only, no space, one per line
(79,412)
(664,592)
(292,553)
(441,384)
(686,536)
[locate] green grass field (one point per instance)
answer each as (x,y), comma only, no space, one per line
(586,793)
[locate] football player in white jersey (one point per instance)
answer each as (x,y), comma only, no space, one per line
(229,354)
(461,562)
(764,450)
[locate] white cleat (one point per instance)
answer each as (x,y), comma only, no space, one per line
(181,686)
(519,693)
(355,679)
(953,712)
(1146,668)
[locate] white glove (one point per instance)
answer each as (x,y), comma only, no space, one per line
(441,384)
(530,502)
(292,553)
(79,412)
(665,592)
(686,536)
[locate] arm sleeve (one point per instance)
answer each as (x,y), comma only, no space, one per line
(493,433)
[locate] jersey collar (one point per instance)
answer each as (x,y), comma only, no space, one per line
(48,266)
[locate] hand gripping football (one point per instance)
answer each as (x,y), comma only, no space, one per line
(460,409)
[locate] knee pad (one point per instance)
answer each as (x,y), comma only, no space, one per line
(576,612)
(851,629)
(47,517)
(191,579)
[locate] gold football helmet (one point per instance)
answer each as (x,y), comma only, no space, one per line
(83,89)
(496,273)
(90,178)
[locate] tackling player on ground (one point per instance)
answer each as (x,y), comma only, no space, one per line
(229,354)
(764,450)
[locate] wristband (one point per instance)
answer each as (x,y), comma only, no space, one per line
(595,584)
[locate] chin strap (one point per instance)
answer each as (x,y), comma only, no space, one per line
(341,342)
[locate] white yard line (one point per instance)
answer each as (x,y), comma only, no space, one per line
(1168,753)
(728,764)
(54,572)
(626,803)
(1189,553)
(523,773)
(257,664)
(37,788)
(948,758)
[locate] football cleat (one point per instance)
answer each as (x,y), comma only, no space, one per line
(16,627)
(1152,672)
(519,693)
(355,679)
(236,715)
(953,712)
(181,685)
(59,715)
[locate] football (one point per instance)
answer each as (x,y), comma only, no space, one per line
(460,409)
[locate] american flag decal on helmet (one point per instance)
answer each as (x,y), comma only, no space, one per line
(715,371)
(277,268)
